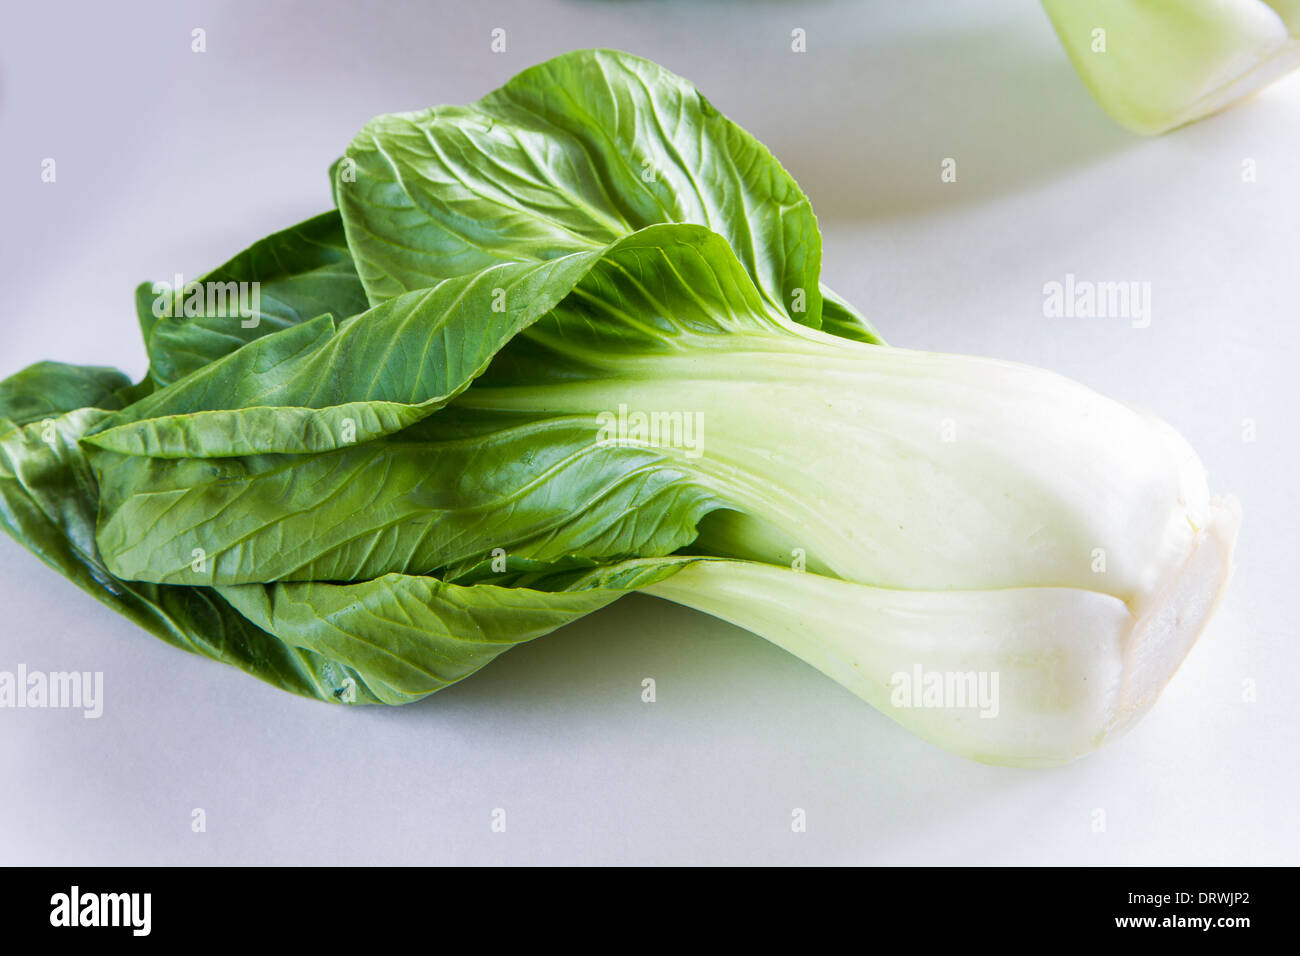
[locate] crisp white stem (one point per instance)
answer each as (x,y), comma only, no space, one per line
(1068,669)
(955,516)
(1157,64)
(914,470)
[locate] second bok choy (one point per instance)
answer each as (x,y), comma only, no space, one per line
(593,355)
(1158,64)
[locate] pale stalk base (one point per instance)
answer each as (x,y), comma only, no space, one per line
(1174,620)
(1076,668)
(1277,64)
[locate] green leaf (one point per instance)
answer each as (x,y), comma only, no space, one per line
(438,497)
(307,389)
(145,298)
(48,389)
(48,504)
(409,636)
(569,156)
(300,273)
(840,318)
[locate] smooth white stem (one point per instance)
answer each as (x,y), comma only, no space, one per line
(1069,668)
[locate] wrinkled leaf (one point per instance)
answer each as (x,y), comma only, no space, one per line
(569,156)
(48,504)
(48,389)
(439,496)
(301,272)
(307,389)
(410,636)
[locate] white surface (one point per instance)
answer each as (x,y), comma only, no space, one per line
(170,161)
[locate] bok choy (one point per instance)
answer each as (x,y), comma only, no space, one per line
(572,342)
(1158,64)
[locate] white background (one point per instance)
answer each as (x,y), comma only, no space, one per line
(170,161)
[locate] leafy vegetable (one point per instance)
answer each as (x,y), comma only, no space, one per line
(384,369)
(1158,64)
(48,389)
(570,156)
(568,381)
(301,273)
(412,635)
(48,502)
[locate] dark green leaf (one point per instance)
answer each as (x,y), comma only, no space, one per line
(302,272)
(569,156)
(504,466)
(48,504)
(409,636)
(307,389)
(48,389)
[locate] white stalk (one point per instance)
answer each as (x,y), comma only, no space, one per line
(1158,64)
(912,470)
(954,514)
(1059,671)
